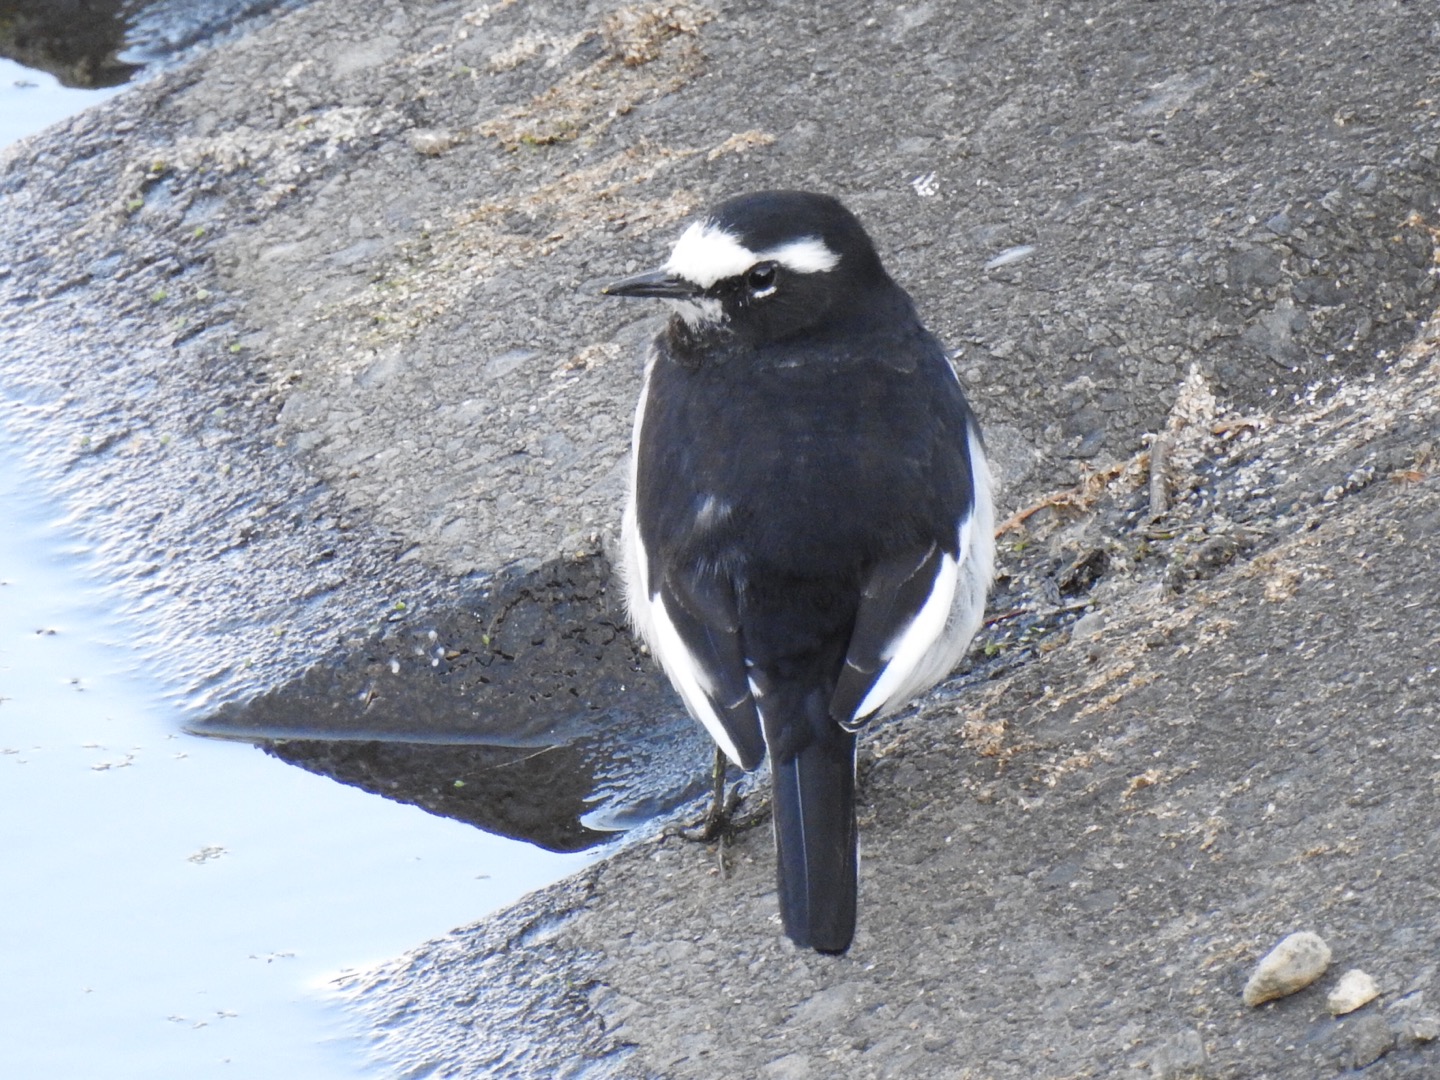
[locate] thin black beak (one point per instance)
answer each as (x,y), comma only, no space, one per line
(655,283)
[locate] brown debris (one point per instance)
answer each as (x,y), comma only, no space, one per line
(740,142)
(639,33)
(651,51)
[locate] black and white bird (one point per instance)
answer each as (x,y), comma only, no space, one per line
(809,534)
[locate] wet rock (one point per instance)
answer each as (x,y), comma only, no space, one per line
(1420,1028)
(1354,989)
(1292,965)
(1370,1040)
(1182,1057)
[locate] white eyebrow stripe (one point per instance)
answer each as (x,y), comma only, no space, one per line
(706,253)
(808,256)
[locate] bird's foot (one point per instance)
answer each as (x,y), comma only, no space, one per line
(718,822)
(718,826)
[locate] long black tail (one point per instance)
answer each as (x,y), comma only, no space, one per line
(815,854)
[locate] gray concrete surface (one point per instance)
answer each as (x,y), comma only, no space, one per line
(1071,864)
(306,334)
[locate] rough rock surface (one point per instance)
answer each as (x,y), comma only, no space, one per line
(332,289)
(306,334)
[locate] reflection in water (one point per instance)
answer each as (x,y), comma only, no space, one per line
(77,41)
(520,792)
(526,710)
(98,43)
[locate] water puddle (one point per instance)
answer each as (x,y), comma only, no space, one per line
(59,57)
(31,100)
(173,903)
(104,43)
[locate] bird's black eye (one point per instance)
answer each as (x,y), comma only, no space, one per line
(761,279)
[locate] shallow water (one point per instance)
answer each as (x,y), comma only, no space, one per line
(32,100)
(171,903)
(172,906)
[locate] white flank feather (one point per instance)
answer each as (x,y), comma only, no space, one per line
(910,647)
(688,677)
(647,611)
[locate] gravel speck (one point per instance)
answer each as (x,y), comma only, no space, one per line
(1182,1057)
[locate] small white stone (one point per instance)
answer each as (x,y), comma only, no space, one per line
(1292,965)
(432,142)
(1354,989)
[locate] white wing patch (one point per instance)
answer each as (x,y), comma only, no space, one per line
(636,564)
(908,649)
(687,676)
(706,253)
(933,642)
(647,611)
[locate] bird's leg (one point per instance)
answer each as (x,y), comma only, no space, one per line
(716,822)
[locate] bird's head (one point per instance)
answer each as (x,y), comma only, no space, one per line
(766,266)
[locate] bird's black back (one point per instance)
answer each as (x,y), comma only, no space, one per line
(823,450)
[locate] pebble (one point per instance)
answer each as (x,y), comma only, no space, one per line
(432,142)
(1087,626)
(1354,989)
(1424,1028)
(1292,965)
